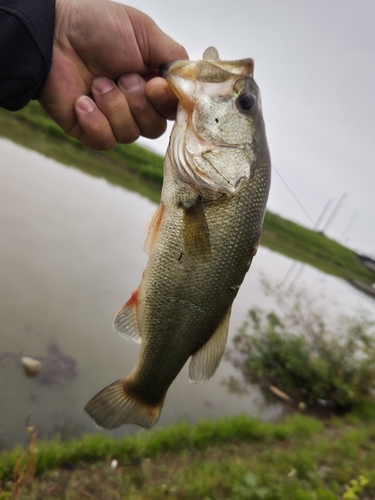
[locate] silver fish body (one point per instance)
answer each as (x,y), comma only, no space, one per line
(201,240)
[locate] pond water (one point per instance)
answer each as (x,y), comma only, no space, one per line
(70,255)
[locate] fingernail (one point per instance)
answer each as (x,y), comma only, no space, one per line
(103,85)
(131,83)
(159,94)
(86,104)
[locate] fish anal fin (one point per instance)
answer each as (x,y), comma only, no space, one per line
(195,230)
(116,405)
(126,321)
(204,363)
(152,229)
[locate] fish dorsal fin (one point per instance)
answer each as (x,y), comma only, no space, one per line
(153,228)
(204,363)
(126,321)
(210,54)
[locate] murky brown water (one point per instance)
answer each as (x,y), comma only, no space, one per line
(70,255)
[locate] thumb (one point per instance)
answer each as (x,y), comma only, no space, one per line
(156,47)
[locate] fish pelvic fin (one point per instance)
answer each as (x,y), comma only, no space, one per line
(116,405)
(126,321)
(152,229)
(204,363)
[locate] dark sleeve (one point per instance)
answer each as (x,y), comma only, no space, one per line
(26,40)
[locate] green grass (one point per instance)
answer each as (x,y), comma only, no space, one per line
(233,458)
(137,169)
(313,248)
(92,448)
(136,158)
(37,135)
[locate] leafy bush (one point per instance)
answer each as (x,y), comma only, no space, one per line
(306,354)
(356,486)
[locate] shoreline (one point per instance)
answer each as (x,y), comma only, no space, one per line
(137,169)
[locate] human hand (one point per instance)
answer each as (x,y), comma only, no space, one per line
(97,42)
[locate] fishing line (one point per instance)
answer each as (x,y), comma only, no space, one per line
(328,243)
(297,200)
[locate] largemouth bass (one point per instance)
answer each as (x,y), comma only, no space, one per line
(201,240)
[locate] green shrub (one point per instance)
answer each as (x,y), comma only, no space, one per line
(302,351)
(249,488)
(356,486)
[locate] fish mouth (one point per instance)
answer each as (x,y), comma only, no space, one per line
(184,76)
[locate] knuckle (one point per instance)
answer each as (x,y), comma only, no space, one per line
(98,144)
(75,131)
(167,111)
(156,130)
(100,137)
(139,108)
(131,134)
(108,101)
(108,144)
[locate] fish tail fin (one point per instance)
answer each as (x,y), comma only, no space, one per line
(116,405)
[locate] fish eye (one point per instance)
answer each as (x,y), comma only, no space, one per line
(245,101)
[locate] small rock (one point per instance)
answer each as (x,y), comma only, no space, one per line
(326,403)
(32,366)
(292,473)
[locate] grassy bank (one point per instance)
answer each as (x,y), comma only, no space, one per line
(32,129)
(237,458)
(140,160)
(138,169)
(303,244)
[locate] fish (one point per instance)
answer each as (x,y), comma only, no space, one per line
(201,239)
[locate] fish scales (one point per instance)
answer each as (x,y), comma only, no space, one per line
(183,278)
(202,238)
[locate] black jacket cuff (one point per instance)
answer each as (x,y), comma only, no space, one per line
(26,41)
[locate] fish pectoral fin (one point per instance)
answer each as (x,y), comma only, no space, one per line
(126,321)
(204,363)
(195,230)
(115,405)
(152,229)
